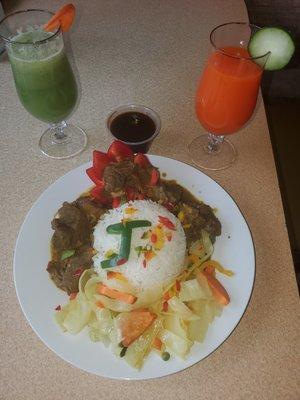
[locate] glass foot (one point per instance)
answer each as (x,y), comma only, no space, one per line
(63,141)
(212,157)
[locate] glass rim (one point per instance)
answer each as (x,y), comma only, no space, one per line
(8,40)
(138,108)
(230,55)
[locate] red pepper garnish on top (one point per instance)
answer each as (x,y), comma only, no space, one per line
(178,285)
(122,261)
(153,238)
(169,205)
(78,272)
(166,222)
(165,306)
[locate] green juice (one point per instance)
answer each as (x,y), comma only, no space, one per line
(43,76)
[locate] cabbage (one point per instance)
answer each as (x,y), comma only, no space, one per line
(74,316)
(207,310)
(204,286)
(120,285)
(197,329)
(100,325)
(179,308)
(112,304)
(148,297)
(175,324)
(191,290)
(84,278)
(175,344)
(202,248)
(139,349)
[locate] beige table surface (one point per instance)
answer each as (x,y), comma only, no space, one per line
(150,52)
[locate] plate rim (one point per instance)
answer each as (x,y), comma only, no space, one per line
(86,165)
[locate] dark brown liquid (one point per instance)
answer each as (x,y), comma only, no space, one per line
(134,127)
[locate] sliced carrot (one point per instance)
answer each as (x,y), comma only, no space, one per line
(134,324)
(166,296)
(63,17)
(157,344)
(116,275)
(115,294)
(210,269)
(217,289)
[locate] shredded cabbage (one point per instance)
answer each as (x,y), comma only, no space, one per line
(181,309)
(140,348)
(191,290)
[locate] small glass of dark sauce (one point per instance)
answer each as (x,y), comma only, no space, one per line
(137,126)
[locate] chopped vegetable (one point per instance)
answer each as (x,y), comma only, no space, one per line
(100,161)
(116,275)
(217,288)
(166,222)
(157,343)
(115,294)
(211,265)
(133,324)
(138,350)
(175,343)
(118,151)
(66,254)
(181,309)
(63,17)
(141,160)
(95,177)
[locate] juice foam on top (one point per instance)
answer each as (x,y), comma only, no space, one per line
(27,45)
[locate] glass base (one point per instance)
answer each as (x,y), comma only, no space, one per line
(221,157)
(63,141)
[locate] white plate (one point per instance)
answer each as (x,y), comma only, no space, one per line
(38,296)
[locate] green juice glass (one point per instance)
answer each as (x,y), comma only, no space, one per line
(44,79)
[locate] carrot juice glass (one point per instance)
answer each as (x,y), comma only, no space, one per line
(226,94)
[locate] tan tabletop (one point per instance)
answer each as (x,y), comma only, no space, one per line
(150,52)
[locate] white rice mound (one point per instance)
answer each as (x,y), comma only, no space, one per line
(163,267)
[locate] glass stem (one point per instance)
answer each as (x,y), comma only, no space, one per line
(59,130)
(214,143)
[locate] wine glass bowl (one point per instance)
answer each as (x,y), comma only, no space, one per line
(226,94)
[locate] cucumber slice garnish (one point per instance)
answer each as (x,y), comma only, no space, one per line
(276,41)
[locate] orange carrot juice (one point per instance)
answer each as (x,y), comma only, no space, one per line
(227,91)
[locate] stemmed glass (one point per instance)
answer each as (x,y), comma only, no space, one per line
(44,79)
(226,95)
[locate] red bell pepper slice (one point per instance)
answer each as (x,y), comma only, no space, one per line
(166,222)
(94,176)
(141,160)
(119,150)
(154,177)
(100,161)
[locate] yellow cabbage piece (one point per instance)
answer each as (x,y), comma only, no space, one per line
(179,308)
(191,290)
(100,325)
(74,316)
(175,344)
(140,348)
(175,324)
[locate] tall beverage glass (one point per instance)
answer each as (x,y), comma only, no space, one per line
(226,94)
(44,79)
